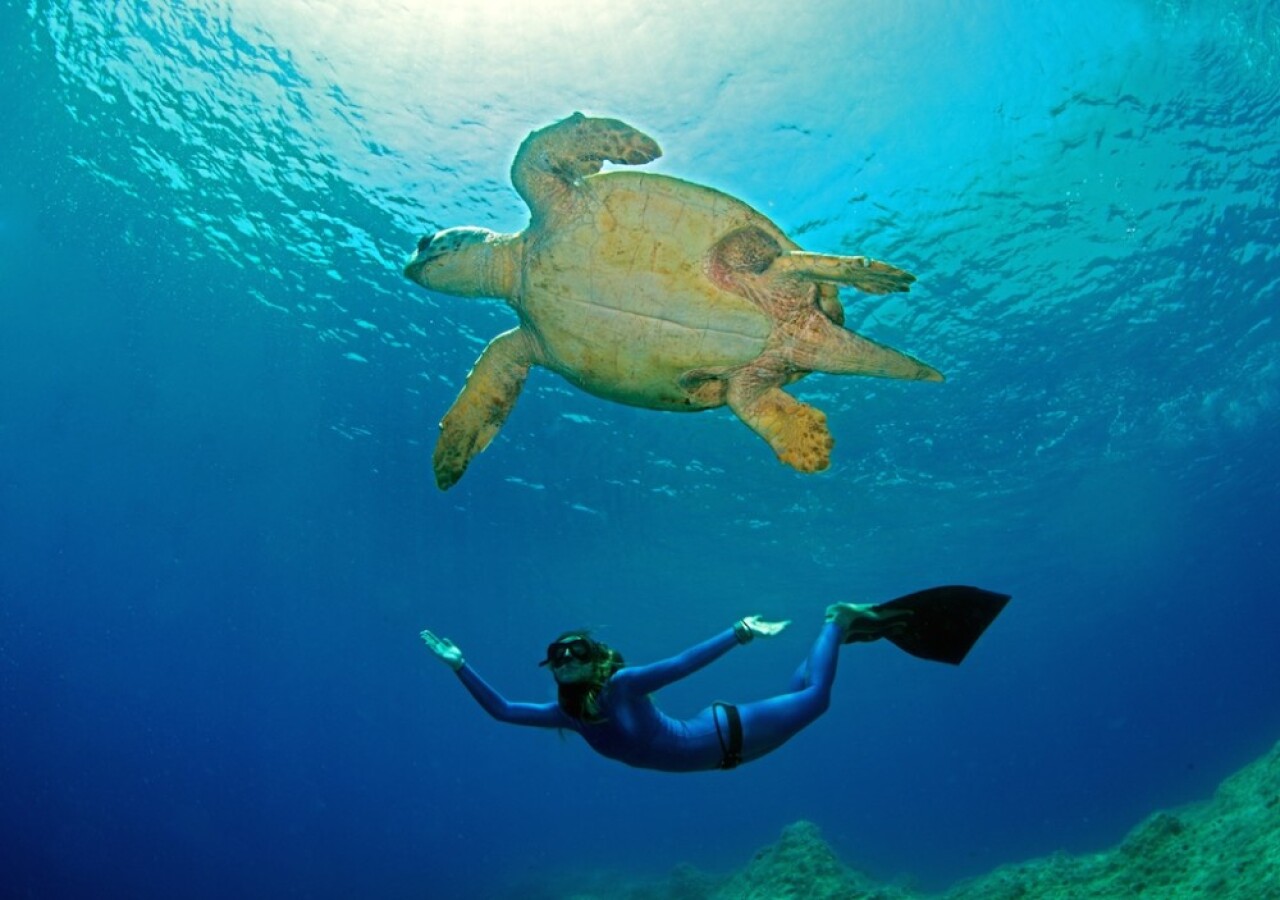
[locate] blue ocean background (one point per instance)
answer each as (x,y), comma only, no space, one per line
(219,534)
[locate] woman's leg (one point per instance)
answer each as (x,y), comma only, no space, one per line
(817,656)
(768,724)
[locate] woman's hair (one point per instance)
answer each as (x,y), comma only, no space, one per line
(581,701)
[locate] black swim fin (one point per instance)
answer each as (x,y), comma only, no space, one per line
(944,622)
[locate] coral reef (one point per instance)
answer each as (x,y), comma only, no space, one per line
(801,866)
(1227,847)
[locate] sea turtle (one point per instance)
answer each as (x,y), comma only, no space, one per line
(651,291)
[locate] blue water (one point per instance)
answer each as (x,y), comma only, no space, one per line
(219,535)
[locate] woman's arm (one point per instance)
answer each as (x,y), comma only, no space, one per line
(539,715)
(647,679)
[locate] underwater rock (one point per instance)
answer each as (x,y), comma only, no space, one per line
(1227,847)
(801,866)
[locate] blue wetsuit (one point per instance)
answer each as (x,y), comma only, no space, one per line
(636,732)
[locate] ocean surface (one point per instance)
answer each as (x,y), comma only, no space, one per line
(220,535)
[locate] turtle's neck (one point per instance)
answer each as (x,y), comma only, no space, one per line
(502,272)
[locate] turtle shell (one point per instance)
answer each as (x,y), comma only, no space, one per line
(614,286)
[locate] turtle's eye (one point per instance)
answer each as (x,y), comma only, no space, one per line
(424,241)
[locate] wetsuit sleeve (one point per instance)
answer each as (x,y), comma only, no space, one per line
(539,715)
(647,679)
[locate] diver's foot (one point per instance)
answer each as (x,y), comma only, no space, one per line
(862,622)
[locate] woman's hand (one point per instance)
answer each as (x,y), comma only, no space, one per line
(762,628)
(751,626)
(444,648)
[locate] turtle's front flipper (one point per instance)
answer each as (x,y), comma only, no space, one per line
(796,431)
(869,275)
(564,152)
(488,396)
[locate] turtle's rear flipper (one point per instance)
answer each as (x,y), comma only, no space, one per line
(796,431)
(869,275)
(944,622)
(482,406)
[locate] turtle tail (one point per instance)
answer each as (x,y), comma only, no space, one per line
(839,351)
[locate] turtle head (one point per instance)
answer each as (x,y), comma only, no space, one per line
(465,262)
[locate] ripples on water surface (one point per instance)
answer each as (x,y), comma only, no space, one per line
(1088,197)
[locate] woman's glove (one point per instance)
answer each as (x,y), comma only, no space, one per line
(748,628)
(445,649)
